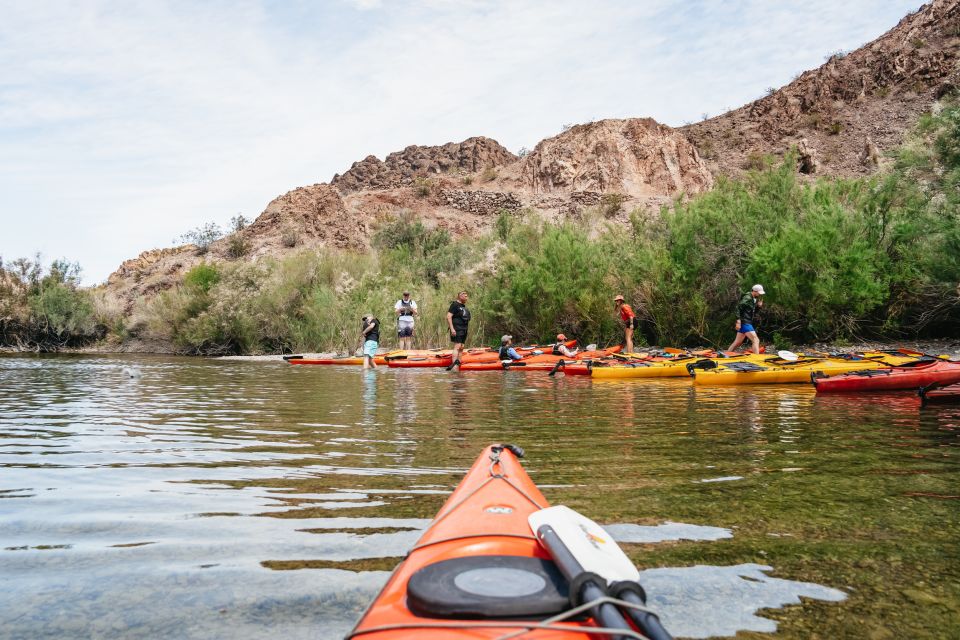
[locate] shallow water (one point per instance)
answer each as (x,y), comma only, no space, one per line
(152,497)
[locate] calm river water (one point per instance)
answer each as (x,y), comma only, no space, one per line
(160,497)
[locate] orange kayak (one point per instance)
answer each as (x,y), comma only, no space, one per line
(469,575)
(351,360)
(493,355)
(540,362)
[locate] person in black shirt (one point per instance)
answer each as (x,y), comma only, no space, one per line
(458,318)
(370,328)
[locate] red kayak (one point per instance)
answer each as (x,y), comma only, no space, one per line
(940,394)
(493,355)
(922,373)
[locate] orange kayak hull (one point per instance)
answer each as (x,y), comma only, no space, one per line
(486,515)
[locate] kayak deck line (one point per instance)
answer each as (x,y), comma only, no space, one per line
(525,627)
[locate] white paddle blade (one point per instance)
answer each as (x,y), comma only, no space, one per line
(788,355)
(593,547)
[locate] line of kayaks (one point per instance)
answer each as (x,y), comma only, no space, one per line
(888,370)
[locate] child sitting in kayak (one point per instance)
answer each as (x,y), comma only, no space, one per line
(507,352)
(560,349)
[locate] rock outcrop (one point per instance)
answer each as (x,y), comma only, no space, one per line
(637,157)
(404,167)
(482,203)
(307,216)
(874,93)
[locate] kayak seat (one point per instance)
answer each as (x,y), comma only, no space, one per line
(479,587)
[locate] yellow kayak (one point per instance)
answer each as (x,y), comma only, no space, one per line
(791,372)
(676,368)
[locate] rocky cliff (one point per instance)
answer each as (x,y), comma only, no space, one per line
(638,157)
(846,113)
(404,167)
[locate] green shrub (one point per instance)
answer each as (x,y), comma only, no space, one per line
(202,277)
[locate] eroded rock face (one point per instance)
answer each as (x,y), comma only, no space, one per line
(136,268)
(484,203)
(317,214)
(869,97)
(404,167)
(637,157)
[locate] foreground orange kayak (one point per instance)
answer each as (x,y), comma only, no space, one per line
(479,571)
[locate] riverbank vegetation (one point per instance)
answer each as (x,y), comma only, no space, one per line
(840,259)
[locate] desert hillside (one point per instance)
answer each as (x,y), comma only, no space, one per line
(848,112)
(842,116)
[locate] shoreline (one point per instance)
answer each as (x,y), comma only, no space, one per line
(939,346)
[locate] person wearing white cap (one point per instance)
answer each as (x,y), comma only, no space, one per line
(746,309)
(507,352)
(406,309)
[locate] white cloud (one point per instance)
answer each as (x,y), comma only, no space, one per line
(122,125)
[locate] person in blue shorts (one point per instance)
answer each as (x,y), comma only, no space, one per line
(370,328)
(746,310)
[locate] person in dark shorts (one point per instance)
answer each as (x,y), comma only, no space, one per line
(406,309)
(629,319)
(746,311)
(458,319)
(370,331)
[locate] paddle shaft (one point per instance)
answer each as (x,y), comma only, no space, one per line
(606,614)
(648,623)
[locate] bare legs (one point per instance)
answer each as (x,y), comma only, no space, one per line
(628,340)
(754,340)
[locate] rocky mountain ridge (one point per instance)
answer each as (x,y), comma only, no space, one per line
(841,117)
(845,114)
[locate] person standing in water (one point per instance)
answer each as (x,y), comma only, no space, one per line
(370,332)
(458,319)
(406,309)
(746,311)
(629,319)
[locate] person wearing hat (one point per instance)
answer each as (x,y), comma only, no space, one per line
(746,310)
(560,349)
(507,352)
(406,309)
(370,332)
(629,319)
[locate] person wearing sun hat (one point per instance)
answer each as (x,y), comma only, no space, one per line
(746,311)
(629,319)
(560,349)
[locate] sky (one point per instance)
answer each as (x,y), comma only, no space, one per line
(124,124)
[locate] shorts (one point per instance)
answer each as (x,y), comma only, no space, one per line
(460,337)
(370,348)
(405,330)
(745,328)
(630,323)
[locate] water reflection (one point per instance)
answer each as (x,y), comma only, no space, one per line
(209,498)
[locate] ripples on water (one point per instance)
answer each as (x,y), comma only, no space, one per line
(164,497)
